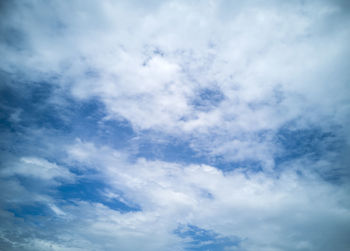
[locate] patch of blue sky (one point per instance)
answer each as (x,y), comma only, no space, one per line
(88,190)
(88,123)
(246,165)
(83,119)
(199,239)
(167,149)
(207,98)
(92,190)
(32,103)
(312,142)
(29,210)
(32,219)
(312,145)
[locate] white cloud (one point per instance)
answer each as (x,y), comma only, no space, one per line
(38,168)
(274,63)
(40,175)
(263,210)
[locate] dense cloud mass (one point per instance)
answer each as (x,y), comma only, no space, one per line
(174,125)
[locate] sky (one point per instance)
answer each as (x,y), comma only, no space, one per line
(174,125)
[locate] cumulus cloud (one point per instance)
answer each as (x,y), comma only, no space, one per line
(250,99)
(283,212)
(273,63)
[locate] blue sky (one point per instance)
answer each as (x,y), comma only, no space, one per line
(174,125)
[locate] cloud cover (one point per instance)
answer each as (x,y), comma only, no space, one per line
(174,125)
